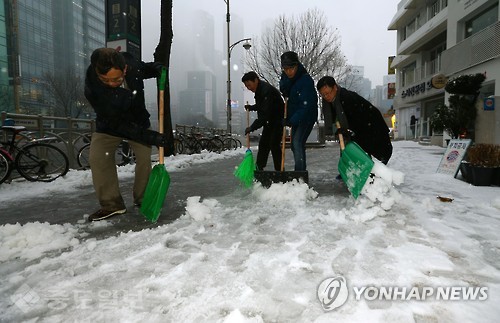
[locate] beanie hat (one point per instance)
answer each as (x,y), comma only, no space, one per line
(289,59)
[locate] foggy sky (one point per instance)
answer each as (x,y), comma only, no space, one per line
(362,25)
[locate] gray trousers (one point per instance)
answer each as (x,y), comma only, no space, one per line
(105,175)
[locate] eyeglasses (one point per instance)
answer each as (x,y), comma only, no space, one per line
(115,80)
(327,92)
(114,77)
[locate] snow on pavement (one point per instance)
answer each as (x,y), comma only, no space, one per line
(259,255)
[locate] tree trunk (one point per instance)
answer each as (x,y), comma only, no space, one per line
(162,55)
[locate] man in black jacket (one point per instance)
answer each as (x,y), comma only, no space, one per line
(270,108)
(114,86)
(360,121)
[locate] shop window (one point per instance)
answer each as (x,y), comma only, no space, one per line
(481,21)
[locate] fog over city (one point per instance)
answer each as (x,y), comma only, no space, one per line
(199,42)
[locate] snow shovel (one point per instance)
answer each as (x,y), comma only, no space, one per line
(355,165)
(266,178)
(159,179)
(245,171)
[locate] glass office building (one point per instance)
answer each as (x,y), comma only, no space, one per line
(46,37)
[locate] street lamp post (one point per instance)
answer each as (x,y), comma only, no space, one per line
(230,47)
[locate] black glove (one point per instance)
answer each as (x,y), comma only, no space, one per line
(248,130)
(285,123)
(158,67)
(248,107)
(151,137)
(347,134)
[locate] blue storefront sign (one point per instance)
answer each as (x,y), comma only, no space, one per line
(489,104)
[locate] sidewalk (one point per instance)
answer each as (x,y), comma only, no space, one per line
(208,180)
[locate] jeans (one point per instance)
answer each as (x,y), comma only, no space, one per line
(299,138)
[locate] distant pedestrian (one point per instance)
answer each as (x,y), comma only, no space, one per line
(413,121)
(360,121)
(114,87)
(297,86)
(269,106)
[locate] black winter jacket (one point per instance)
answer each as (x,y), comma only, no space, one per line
(365,120)
(121,112)
(269,106)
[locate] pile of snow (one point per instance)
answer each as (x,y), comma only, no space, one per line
(261,255)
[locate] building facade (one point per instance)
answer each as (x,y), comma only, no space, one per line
(443,39)
(45,37)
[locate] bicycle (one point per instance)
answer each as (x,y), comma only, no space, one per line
(123,155)
(36,161)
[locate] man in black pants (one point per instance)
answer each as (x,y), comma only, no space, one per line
(270,109)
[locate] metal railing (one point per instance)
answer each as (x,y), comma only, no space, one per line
(66,130)
(419,130)
(474,50)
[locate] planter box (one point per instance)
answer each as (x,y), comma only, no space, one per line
(482,176)
(496,177)
(465,169)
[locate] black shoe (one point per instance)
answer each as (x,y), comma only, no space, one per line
(137,204)
(339,178)
(103,214)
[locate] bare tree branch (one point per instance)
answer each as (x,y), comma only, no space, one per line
(66,88)
(317,44)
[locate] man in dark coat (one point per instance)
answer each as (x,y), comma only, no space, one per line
(270,107)
(114,86)
(360,121)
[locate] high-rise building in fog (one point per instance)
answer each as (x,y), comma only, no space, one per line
(199,52)
(194,69)
(45,36)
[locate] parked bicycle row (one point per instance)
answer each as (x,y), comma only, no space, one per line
(45,157)
(195,143)
(36,160)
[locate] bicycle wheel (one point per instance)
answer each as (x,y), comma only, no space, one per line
(5,166)
(83,157)
(231,143)
(124,154)
(179,146)
(41,162)
(205,144)
(216,145)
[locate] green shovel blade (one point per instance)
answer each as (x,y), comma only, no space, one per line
(156,190)
(355,166)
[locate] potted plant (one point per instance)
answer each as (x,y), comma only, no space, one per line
(484,165)
(460,115)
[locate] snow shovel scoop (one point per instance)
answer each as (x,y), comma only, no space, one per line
(159,179)
(355,165)
(266,178)
(245,170)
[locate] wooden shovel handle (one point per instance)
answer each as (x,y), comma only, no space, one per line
(160,124)
(341,137)
(162,81)
(248,125)
(283,139)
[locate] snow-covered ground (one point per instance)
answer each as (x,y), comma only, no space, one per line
(283,254)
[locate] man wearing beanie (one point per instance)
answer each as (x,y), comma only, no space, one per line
(297,86)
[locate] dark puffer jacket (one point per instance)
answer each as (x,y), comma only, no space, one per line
(121,112)
(365,120)
(302,97)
